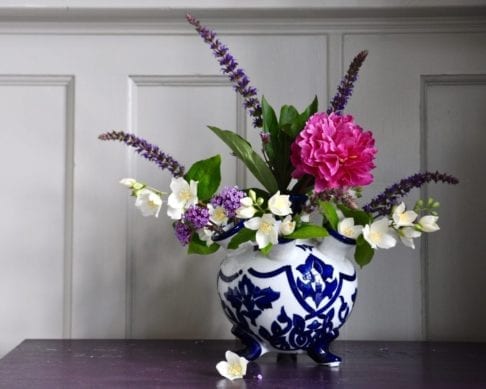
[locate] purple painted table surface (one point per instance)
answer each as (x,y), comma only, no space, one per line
(188,364)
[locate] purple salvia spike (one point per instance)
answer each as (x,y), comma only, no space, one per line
(146,150)
(345,88)
(385,201)
(230,67)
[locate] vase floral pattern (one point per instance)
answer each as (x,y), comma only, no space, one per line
(295,300)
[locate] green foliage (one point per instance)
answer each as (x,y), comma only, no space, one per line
(282,133)
(243,150)
(308,231)
(430,206)
(360,217)
(198,246)
(329,212)
(278,147)
(291,122)
(259,193)
(244,235)
(208,174)
(310,110)
(364,252)
(270,122)
(266,250)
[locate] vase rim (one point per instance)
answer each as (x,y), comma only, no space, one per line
(226,234)
(282,240)
(336,235)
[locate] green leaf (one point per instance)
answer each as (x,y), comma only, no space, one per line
(266,250)
(364,252)
(208,174)
(259,193)
(255,164)
(198,246)
(291,122)
(329,212)
(308,231)
(270,123)
(310,110)
(288,115)
(244,235)
(360,217)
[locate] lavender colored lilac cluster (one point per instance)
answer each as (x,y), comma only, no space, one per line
(229,198)
(230,67)
(384,202)
(183,232)
(345,88)
(196,216)
(146,150)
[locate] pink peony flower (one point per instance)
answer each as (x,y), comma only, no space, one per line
(335,151)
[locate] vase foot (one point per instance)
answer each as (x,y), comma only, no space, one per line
(252,348)
(324,358)
(320,353)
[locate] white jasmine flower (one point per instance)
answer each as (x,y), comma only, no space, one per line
(407,234)
(206,235)
(305,217)
(287,226)
(128,182)
(183,195)
(217,215)
(402,218)
(234,366)
(266,228)
(280,204)
(247,210)
(429,223)
(347,228)
(148,202)
(379,234)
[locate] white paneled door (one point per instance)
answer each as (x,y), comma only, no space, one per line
(78,261)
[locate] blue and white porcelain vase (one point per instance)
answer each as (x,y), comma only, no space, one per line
(293,301)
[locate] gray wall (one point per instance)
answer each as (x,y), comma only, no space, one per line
(77,259)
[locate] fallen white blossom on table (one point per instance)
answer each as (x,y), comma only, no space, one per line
(234,367)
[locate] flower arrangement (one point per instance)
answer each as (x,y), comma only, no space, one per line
(311,163)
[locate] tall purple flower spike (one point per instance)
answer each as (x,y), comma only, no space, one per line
(345,88)
(146,150)
(230,67)
(384,202)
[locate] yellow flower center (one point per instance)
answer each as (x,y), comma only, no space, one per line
(219,214)
(152,204)
(342,160)
(348,231)
(375,236)
(235,369)
(185,195)
(403,218)
(266,228)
